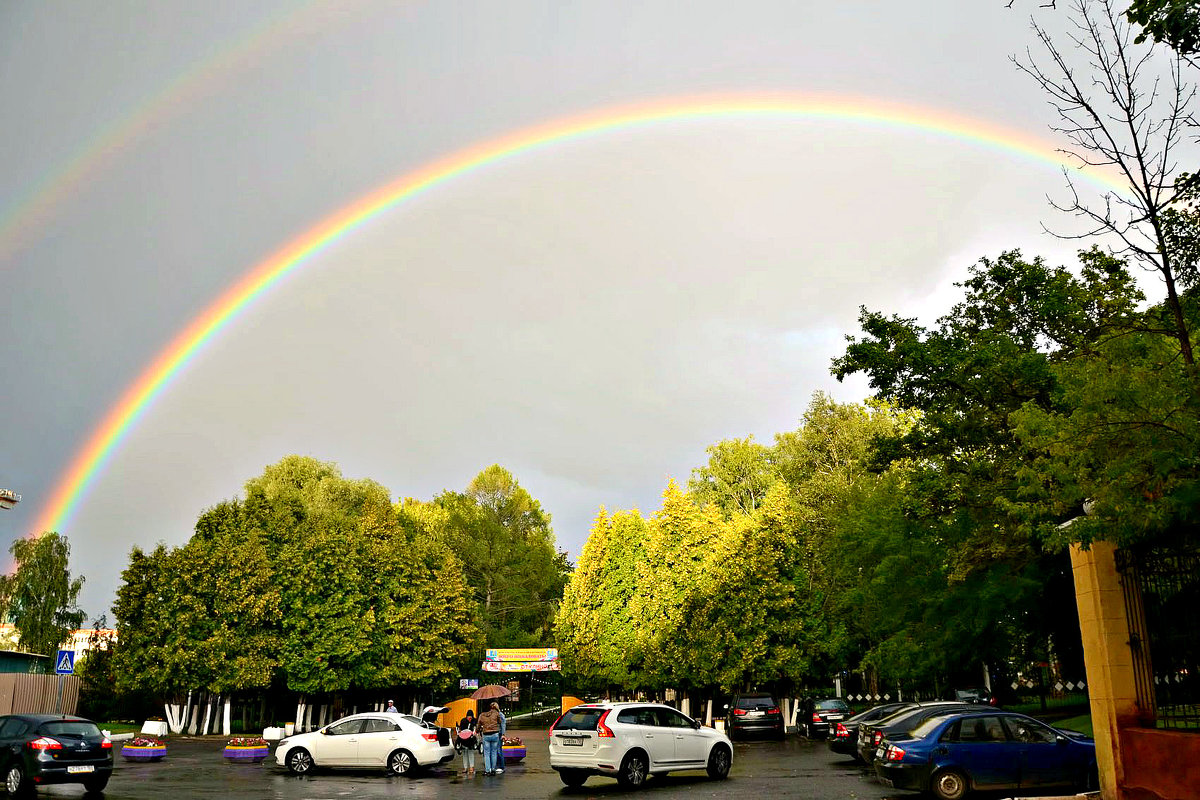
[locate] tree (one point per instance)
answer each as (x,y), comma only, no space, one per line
(505,544)
(736,478)
(1117,111)
(40,596)
(1173,22)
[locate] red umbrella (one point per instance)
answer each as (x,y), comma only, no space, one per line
(490,692)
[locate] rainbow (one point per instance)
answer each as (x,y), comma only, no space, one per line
(91,459)
(38,205)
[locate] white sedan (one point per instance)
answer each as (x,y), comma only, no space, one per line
(395,742)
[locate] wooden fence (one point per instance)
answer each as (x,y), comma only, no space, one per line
(37,694)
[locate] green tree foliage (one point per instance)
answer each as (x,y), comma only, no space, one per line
(1173,22)
(40,596)
(736,478)
(505,543)
(312,580)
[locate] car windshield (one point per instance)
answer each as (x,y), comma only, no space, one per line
(580,718)
(76,728)
(832,705)
(753,703)
(412,719)
(926,727)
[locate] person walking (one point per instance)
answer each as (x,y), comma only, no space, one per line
(489,725)
(391,708)
(465,742)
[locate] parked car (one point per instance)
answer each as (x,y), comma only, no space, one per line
(396,742)
(824,714)
(754,713)
(871,734)
(41,749)
(843,736)
(630,741)
(952,755)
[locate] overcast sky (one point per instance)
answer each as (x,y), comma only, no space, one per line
(591,315)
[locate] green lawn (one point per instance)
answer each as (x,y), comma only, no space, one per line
(119,727)
(1081,723)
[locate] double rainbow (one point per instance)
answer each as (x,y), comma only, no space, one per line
(91,459)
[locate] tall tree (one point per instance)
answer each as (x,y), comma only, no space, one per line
(40,596)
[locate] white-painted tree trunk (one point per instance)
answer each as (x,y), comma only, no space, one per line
(685,705)
(193,718)
(172,716)
(787,703)
(227,728)
(414,711)
(708,714)
(308,717)
(207,715)
(187,712)
(299,716)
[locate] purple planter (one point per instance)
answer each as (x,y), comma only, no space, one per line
(239,754)
(138,753)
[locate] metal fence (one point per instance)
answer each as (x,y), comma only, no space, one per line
(37,694)
(1162,601)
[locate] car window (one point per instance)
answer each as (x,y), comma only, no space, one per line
(12,728)
(669,718)
(978,729)
(1030,732)
(755,703)
(925,728)
(375,725)
(580,718)
(413,720)
(637,716)
(344,728)
(832,705)
(76,728)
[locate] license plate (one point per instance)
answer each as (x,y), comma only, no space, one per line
(754,714)
(78,769)
(572,742)
(835,717)
(878,753)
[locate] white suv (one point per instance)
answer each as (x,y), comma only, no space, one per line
(632,740)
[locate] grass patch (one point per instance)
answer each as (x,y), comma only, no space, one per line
(1081,723)
(119,727)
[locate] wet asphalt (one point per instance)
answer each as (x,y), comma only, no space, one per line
(194,768)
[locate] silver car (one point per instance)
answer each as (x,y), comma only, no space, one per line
(395,742)
(629,741)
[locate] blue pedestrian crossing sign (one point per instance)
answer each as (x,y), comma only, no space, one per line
(64,663)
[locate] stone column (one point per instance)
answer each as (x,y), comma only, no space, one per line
(1107,657)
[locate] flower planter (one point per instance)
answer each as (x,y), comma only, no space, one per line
(513,752)
(243,754)
(133,752)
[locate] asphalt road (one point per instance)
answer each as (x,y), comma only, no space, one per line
(194,768)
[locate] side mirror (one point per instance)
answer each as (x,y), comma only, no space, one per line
(324,732)
(1060,739)
(697,724)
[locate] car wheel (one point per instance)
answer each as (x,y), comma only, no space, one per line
(15,781)
(633,770)
(299,762)
(401,762)
(573,778)
(96,784)
(949,784)
(719,761)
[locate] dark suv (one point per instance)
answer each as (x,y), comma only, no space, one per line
(40,749)
(753,713)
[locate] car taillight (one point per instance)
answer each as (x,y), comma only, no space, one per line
(772,711)
(817,717)
(553,726)
(894,753)
(602,730)
(841,730)
(429,737)
(739,712)
(878,737)
(45,743)
(106,744)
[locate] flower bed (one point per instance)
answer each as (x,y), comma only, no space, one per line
(246,750)
(144,748)
(513,748)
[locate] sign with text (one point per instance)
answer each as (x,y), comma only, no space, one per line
(521,666)
(468,683)
(521,654)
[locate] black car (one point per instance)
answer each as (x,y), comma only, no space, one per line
(824,715)
(754,713)
(843,736)
(41,749)
(872,734)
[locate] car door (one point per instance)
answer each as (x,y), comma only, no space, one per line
(980,747)
(378,738)
(643,722)
(690,745)
(338,744)
(1044,760)
(11,739)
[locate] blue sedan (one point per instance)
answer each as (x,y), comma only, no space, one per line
(952,755)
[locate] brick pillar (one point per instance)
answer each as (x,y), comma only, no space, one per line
(1107,657)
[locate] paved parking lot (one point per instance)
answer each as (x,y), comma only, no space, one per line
(194,768)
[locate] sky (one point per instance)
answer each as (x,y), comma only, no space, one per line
(591,314)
